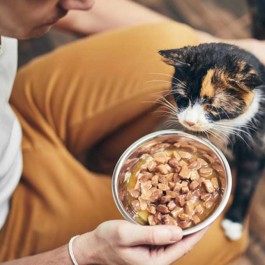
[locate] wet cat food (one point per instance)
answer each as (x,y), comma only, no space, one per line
(174,181)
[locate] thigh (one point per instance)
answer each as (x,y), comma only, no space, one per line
(89,89)
(56,199)
(68,101)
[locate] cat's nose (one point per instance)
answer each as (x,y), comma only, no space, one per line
(189,123)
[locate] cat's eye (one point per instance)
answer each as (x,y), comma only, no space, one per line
(206,100)
(182,102)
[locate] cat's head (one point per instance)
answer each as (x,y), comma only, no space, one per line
(214,85)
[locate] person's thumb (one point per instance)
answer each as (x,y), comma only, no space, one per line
(152,235)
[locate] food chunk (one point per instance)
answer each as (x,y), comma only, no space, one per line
(174,183)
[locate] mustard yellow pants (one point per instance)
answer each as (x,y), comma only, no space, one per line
(90,99)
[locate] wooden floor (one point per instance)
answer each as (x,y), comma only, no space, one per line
(223,18)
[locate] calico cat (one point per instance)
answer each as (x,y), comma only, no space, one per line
(218,91)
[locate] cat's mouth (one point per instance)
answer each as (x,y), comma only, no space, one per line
(194,127)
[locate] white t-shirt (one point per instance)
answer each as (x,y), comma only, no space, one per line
(10,130)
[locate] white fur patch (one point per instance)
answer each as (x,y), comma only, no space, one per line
(232,230)
(244,118)
(196,115)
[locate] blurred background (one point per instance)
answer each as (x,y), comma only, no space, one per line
(228,19)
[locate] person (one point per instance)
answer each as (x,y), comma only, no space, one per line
(87,101)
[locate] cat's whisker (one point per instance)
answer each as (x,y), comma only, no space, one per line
(227,136)
(173,77)
(205,134)
(255,122)
(228,129)
(224,134)
(176,95)
(176,89)
(158,93)
(155,101)
(151,82)
(169,110)
(216,135)
(162,113)
(217,112)
(227,102)
(251,128)
(164,74)
(171,122)
(233,131)
(235,106)
(157,80)
(164,102)
(225,113)
(165,113)
(225,131)
(164,92)
(220,107)
(242,138)
(164,81)
(221,139)
(232,127)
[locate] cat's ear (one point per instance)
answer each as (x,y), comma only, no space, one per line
(247,81)
(174,57)
(251,81)
(247,76)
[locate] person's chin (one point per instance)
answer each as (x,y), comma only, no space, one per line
(35,33)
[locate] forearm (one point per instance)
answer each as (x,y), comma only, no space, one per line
(108,15)
(57,256)
(83,248)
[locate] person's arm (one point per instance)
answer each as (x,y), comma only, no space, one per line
(119,243)
(107,15)
(53,257)
(256,47)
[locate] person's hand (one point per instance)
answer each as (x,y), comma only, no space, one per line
(123,243)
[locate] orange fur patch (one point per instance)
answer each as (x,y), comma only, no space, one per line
(248,98)
(207,88)
(217,89)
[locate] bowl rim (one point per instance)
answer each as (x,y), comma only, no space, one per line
(153,135)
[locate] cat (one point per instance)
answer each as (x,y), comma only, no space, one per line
(218,92)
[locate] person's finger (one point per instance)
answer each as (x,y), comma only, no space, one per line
(133,235)
(181,248)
